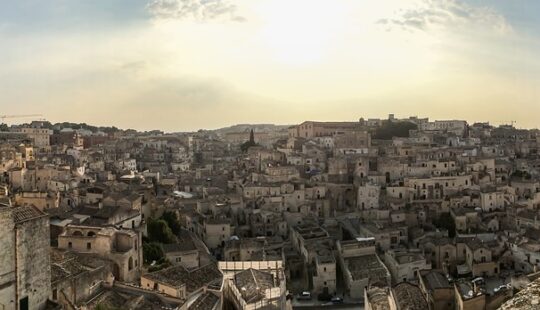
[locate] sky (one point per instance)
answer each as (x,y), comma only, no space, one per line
(180,65)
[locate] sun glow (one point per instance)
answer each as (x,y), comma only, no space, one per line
(300,32)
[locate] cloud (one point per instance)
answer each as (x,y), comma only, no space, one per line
(133,66)
(187,92)
(433,14)
(198,10)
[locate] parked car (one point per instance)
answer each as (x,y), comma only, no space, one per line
(304,296)
(337,300)
(478,281)
(502,288)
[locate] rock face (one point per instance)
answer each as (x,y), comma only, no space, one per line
(527,299)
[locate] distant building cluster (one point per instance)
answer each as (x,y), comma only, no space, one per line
(376,213)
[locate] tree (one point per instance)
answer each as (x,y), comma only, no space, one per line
(172,221)
(251,137)
(4,127)
(251,142)
(159,231)
(394,129)
(152,252)
(445,221)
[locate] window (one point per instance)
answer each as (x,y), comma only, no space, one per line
(130,263)
(70,245)
(178,259)
(88,246)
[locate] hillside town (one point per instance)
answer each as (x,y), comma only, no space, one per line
(376,214)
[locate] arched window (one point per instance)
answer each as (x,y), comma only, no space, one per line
(77,233)
(91,234)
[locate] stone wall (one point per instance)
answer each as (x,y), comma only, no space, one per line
(33,261)
(7,260)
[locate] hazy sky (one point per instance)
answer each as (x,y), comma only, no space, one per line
(188,64)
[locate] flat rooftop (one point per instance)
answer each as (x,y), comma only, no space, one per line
(367,266)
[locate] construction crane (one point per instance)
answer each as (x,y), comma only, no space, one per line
(3,117)
(512,123)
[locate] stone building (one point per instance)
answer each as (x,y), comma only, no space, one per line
(408,296)
(357,142)
(311,129)
(368,197)
(216,232)
(479,258)
(361,266)
(438,292)
(25,268)
(180,282)
(403,265)
(468,297)
(75,277)
(253,285)
(40,136)
(457,127)
(492,201)
(378,298)
(184,252)
(123,247)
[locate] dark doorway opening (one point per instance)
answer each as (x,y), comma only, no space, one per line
(23,303)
